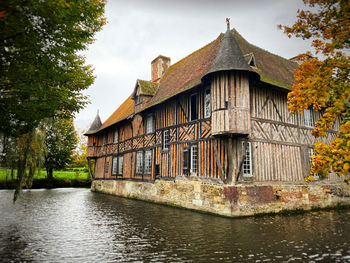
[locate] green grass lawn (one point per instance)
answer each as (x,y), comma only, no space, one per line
(69,175)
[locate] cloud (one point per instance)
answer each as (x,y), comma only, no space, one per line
(139,30)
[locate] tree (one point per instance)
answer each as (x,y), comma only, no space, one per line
(80,152)
(42,72)
(60,141)
(324,84)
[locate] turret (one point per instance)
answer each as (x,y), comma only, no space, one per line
(95,125)
(229,76)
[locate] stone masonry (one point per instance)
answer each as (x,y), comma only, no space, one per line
(231,201)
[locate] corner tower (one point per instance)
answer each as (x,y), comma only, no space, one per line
(229,76)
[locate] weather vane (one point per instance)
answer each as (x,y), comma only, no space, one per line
(228,23)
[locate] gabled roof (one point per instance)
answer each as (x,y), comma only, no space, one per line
(95,125)
(215,56)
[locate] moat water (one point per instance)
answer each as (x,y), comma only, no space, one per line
(76,225)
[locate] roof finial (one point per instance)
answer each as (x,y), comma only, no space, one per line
(98,111)
(228,23)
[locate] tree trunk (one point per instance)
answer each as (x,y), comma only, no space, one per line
(49,172)
(22,162)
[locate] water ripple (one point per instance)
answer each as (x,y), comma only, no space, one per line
(74,225)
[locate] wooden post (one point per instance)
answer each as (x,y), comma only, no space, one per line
(243,152)
(217,158)
(230,161)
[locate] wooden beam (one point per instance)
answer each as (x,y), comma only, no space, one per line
(217,158)
(230,161)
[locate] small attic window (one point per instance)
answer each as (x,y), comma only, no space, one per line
(138,99)
(250,59)
(252,62)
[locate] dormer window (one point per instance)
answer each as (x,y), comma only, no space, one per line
(252,62)
(138,99)
(250,59)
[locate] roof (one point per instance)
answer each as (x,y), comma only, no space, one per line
(229,56)
(215,56)
(95,125)
(123,112)
(146,87)
(273,69)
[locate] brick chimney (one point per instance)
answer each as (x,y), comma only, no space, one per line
(159,66)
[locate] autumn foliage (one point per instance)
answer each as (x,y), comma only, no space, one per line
(323,84)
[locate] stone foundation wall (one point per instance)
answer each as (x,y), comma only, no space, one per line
(232,201)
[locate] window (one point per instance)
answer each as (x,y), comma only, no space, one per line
(139,162)
(207,109)
(104,139)
(149,124)
(247,162)
(166,139)
(194,159)
(114,165)
(310,152)
(148,162)
(116,136)
(138,99)
(186,160)
(107,167)
(117,165)
(193,107)
(120,165)
(308,120)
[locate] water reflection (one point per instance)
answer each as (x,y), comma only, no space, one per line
(73,225)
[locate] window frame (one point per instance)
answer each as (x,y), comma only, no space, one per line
(116,165)
(207,114)
(247,148)
(106,167)
(166,140)
(308,118)
(138,99)
(142,166)
(104,138)
(147,118)
(190,110)
(145,166)
(116,131)
(120,157)
(310,153)
(192,159)
(186,162)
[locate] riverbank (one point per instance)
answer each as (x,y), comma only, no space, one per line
(48,184)
(231,200)
(70,178)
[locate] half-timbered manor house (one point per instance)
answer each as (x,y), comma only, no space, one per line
(218,115)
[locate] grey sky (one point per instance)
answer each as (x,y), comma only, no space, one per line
(139,30)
